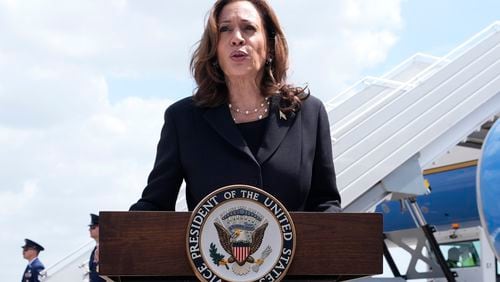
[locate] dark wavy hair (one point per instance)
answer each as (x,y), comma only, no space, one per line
(212,90)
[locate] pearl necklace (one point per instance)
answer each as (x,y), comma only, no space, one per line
(261,110)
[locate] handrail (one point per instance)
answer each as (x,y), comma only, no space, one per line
(342,96)
(415,57)
(425,73)
(48,271)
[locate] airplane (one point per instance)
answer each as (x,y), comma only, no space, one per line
(452,209)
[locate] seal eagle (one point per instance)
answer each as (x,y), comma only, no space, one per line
(240,251)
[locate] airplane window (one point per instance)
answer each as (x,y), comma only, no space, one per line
(461,254)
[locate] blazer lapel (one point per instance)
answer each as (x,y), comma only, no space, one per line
(221,121)
(277,127)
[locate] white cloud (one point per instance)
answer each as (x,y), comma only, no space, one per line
(68,149)
(14,201)
(97,163)
(370,48)
(333,42)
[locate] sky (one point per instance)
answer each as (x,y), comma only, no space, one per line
(84,84)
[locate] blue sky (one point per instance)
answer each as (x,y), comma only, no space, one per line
(83,87)
(436,27)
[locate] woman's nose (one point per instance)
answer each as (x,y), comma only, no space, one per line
(237,38)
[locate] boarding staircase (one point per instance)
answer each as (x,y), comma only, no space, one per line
(386,130)
(73,267)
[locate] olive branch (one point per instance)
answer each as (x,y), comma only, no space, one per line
(217,258)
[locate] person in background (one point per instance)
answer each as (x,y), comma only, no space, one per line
(94,255)
(468,256)
(453,257)
(245,124)
(31,249)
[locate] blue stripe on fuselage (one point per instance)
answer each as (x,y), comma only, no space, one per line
(452,200)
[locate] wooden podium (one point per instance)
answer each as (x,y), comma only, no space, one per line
(151,246)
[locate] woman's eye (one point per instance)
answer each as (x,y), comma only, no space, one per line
(250,27)
(223,29)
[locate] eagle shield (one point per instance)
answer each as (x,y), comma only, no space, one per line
(241,251)
(240,233)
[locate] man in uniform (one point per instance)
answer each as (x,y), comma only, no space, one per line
(31,249)
(94,256)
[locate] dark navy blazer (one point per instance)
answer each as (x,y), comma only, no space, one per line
(204,147)
(93,274)
(32,271)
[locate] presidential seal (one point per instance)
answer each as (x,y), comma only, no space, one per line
(240,233)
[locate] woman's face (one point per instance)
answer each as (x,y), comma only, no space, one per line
(242,47)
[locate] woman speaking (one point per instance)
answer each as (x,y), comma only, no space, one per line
(244,124)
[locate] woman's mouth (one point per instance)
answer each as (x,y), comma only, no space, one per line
(238,55)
